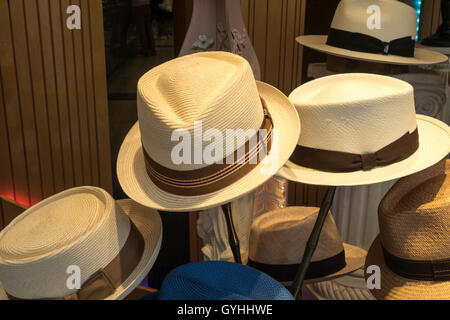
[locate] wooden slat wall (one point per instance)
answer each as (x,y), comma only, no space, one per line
(273,26)
(54,127)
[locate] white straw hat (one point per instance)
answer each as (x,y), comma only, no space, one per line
(374,30)
(360,129)
(218,89)
(81,232)
(413,248)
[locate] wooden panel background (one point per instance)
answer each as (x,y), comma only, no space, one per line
(273,26)
(54,127)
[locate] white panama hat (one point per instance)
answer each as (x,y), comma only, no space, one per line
(360,129)
(218,89)
(113,243)
(393,42)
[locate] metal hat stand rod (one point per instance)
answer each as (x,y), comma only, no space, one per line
(312,243)
(233,239)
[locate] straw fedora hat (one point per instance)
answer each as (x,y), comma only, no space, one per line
(81,232)
(218,90)
(413,248)
(381,31)
(360,129)
(278,240)
(219,280)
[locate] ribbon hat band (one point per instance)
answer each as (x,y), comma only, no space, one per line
(418,270)
(335,161)
(360,42)
(317,269)
(105,281)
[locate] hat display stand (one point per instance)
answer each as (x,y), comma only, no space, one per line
(312,243)
(218,26)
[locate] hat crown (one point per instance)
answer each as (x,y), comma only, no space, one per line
(396,19)
(220,280)
(217,89)
(280,236)
(354,113)
(414,216)
(81,227)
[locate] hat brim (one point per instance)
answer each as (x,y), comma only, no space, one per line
(348,287)
(434,139)
(395,287)
(354,260)
(149,224)
(138,186)
(421,56)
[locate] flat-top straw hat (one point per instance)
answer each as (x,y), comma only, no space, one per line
(381,31)
(217,92)
(278,240)
(413,248)
(360,129)
(79,245)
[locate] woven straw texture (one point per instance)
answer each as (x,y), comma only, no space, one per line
(414,225)
(218,280)
(82,227)
(360,114)
(235,105)
(348,287)
(217,89)
(397,20)
(280,237)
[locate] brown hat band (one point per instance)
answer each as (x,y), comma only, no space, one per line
(316,269)
(335,161)
(105,281)
(217,176)
(418,270)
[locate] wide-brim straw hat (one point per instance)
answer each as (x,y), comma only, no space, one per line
(82,227)
(414,228)
(397,20)
(278,240)
(238,103)
(361,114)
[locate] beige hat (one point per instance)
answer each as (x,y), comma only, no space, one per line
(218,90)
(79,238)
(278,240)
(374,30)
(360,129)
(413,248)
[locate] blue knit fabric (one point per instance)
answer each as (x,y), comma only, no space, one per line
(218,280)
